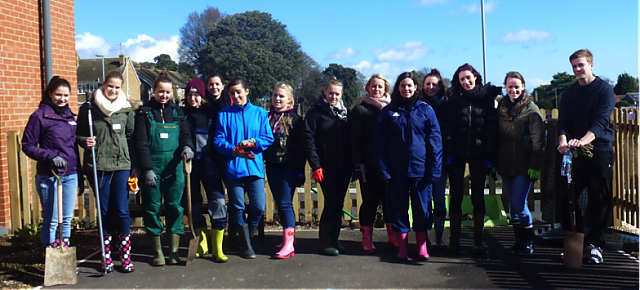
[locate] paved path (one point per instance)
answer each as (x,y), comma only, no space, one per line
(310,270)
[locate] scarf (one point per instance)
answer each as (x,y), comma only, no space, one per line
(408,103)
(339,110)
(377,102)
(57,109)
(109,107)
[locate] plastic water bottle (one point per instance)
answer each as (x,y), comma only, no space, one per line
(565,170)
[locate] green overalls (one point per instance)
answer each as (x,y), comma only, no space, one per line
(167,165)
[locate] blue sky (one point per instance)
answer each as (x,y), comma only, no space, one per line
(534,37)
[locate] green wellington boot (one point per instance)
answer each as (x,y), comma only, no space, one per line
(158,257)
(335,234)
(325,233)
(174,242)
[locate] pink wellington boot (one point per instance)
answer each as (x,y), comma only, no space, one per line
(393,240)
(421,243)
(287,249)
(367,239)
(403,241)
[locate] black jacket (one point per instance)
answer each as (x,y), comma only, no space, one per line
(141,132)
(326,137)
(287,147)
(362,119)
(471,124)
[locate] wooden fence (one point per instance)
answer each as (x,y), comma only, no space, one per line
(308,200)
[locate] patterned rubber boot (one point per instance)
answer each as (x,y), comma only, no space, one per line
(125,254)
(108,261)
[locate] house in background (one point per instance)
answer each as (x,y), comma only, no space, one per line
(149,75)
(90,76)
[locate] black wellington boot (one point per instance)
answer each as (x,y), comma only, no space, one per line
(244,238)
(326,248)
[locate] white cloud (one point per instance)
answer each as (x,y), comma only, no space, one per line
(527,35)
(362,66)
(88,45)
(142,48)
(410,51)
(430,2)
(342,53)
(489,6)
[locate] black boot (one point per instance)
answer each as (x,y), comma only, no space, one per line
(518,238)
(257,246)
(244,238)
(455,225)
(439,242)
(335,234)
(325,248)
(478,232)
(526,247)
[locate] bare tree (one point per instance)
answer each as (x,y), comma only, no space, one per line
(193,35)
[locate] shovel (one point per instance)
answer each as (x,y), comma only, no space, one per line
(60,264)
(573,241)
(193,242)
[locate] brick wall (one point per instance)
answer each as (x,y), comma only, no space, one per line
(22,74)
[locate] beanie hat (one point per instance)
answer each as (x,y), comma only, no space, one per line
(195,85)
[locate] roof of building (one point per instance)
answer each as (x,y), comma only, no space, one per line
(149,75)
(90,70)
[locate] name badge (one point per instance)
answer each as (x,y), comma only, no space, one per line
(117,126)
(164,135)
(72,123)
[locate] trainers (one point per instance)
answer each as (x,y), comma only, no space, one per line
(595,254)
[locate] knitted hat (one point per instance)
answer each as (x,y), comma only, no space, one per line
(195,86)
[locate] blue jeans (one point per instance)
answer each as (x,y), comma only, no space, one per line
(400,190)
(254,186)
(47,187)
(517,189)
(281,179)
(114,200)
(439,200)
(217,208)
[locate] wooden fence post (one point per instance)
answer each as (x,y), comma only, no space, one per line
(14,180)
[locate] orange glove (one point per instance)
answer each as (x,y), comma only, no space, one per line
(318,175)
(239,152)
(132,183)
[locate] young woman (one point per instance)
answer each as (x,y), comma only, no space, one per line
(362,119)
(162,137)
(470,136)
(433,93)
(326,138)
(408,155)
(113,125)
(217,98)
(242,134)
(521,146)
(285,162)
(49,137)
(200,115)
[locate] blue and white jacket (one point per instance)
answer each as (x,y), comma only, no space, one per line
(236,124)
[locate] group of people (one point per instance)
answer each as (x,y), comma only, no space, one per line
(403,144)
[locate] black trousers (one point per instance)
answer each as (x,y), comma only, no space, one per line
(334,189)
(596,175)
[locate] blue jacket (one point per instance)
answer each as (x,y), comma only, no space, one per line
(236,124)
(408,144)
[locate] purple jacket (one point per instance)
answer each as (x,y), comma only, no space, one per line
(55,135)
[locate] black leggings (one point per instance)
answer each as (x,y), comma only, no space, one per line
(478,174)
(373,191)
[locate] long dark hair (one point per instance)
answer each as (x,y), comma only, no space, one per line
(405,75)
(455,82)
